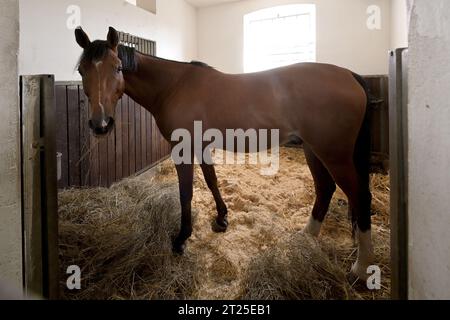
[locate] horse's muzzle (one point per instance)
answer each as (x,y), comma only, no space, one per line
(103,127)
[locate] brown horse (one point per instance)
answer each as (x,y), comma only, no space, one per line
(324,106)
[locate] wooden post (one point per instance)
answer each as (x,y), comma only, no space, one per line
(31,173)
(49,186)
(39,197)
(398,88)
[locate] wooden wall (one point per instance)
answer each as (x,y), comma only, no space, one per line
(135,144)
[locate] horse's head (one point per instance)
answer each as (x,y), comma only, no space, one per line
(103,82)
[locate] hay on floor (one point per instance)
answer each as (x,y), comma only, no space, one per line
(295,269)
(121,239)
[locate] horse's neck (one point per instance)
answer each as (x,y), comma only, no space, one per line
(153,81)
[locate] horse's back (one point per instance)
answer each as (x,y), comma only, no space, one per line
(317,102)
(299,100)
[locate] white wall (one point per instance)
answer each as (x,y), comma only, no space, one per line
(429,150)
(399,24)
(342,35)
(10,212)
(176,30)
(48,46)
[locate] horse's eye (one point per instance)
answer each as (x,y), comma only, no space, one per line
(119,69)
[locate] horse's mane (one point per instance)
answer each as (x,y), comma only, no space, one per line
(128,57)
(99,48)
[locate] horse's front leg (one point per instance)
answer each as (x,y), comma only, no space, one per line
(185,179)
(221,223)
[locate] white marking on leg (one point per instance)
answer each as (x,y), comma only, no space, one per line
(313,226)
(365,254)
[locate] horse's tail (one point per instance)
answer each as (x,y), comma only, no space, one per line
(361,155)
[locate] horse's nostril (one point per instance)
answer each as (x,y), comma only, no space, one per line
(110,122)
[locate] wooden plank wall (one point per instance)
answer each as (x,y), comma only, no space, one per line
(135,144)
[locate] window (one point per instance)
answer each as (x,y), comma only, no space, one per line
(279,36)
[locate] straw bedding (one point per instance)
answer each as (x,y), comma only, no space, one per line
(121,238)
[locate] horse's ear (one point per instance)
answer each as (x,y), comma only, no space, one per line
(113,38)
(82,38)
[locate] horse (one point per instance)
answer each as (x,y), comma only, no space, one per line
(322,105)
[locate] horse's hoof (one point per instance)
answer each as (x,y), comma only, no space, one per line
(219,226)
(178,249)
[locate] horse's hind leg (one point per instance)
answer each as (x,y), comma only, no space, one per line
(356,189)
(325,188)
(221,223)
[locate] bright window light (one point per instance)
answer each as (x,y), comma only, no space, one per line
(279,36)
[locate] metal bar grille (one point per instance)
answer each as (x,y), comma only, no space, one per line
(140,44)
